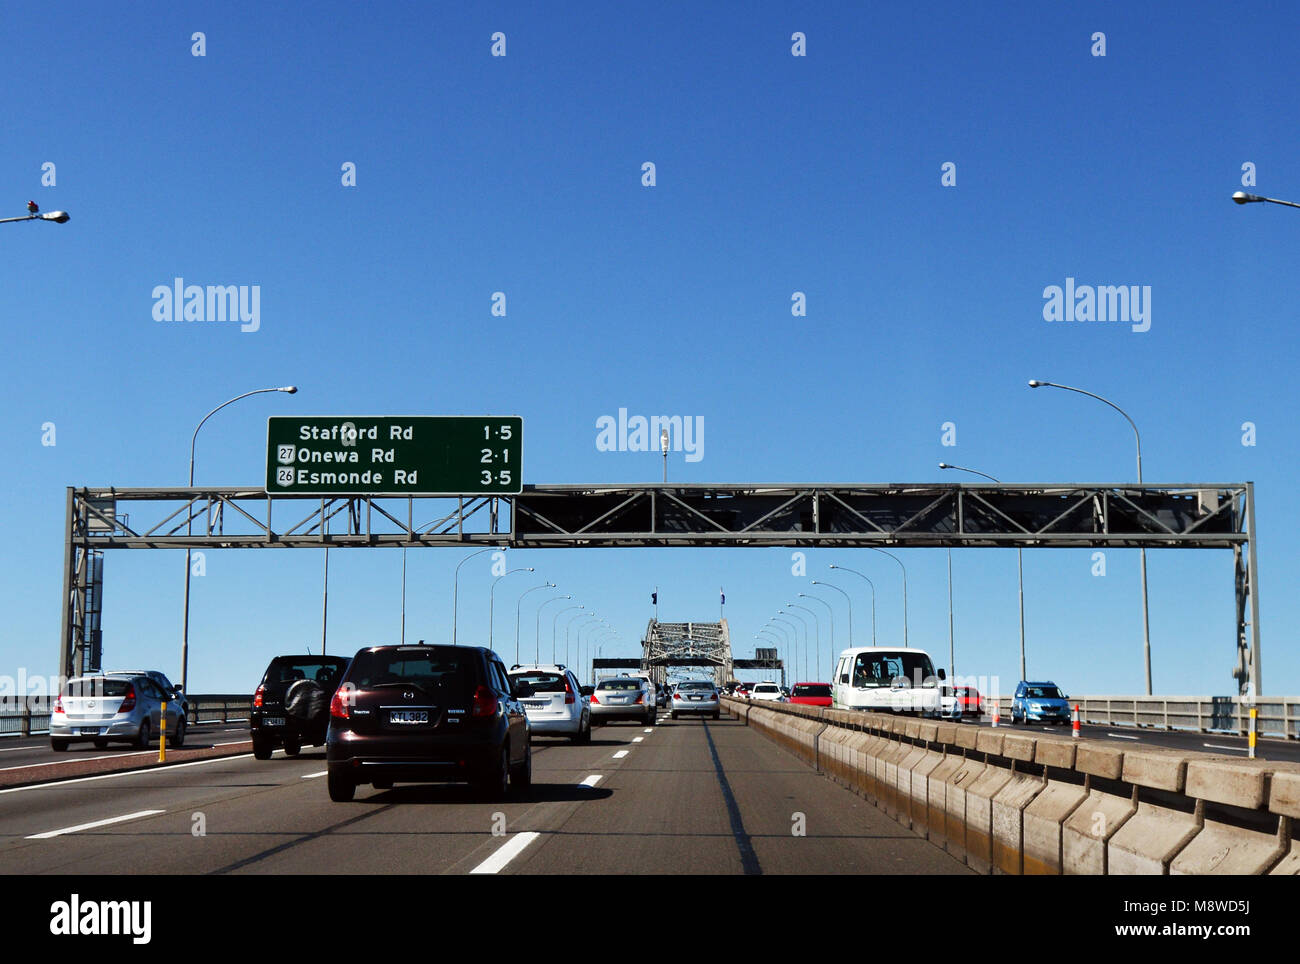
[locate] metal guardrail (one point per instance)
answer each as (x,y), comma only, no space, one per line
(33,718)
(1278,716)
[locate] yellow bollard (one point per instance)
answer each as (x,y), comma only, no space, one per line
(1253,712)
(162,735)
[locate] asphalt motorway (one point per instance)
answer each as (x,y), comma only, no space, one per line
(685,797)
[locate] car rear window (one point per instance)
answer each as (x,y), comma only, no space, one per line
(319,668)
(442,667)
(695,686)
(541,682)
(620,684)
(812,689)
(97,686)
(767,687)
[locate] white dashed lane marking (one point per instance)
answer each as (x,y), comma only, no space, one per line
(98,823)
(508,851)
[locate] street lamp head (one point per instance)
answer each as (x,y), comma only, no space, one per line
(945,465)
(289,389)
(1241,197)
(1035,383)
(60,217)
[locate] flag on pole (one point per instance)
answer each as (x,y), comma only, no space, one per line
(723,596)
(654,599)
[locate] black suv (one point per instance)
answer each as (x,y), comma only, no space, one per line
(291,706)
(428,713)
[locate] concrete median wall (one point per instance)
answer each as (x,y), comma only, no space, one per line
(1012,803)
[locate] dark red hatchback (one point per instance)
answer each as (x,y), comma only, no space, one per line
(423,714)
(811,694)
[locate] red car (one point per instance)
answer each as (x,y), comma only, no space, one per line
(968,698)
(811,694)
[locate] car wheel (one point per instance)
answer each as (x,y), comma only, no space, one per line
(291,747)
(584,731)
(342,787)
(521,779)
(101,744)
(143,737)
(59,746)
(178,738)
(494,782)
(262,749)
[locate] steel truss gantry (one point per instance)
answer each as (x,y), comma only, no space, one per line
(698,645)
(887,515)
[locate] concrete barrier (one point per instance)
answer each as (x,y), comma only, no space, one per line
(1013,803)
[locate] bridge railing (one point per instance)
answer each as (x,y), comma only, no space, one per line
(31,717)
(1277,717)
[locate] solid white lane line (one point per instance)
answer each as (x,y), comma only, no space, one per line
(591,781)
(1218,746)
(647,730)
(98,823)
(620,754)
(125,773)
(1122,736)
(637,739)
(106,756)
(511,849)
(313,776)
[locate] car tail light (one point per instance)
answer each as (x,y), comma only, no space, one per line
(593,698)
(568,693)
(640,698)
(677,696)
(257,697)
(339,708)
(128,701)
(485,703)
(58,704)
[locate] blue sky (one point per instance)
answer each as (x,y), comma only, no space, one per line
(775,174)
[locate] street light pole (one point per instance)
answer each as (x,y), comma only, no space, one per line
(518,605)
(554,625)
(817,635)
(904,568)
(1241,197)
(873,597)
(537,630)
(491,602)
(847,598)
(1146,620)
(568,628)
(189,522)
(805,595)
(804,623)
(1020,565)
(455,586)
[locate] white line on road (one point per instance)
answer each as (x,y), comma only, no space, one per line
(647,730)
(637,739)
(313,776)
(1218,746)
(620,754)
(126,773)
(91,826)
(1122,736)
(591,781)
(511,849)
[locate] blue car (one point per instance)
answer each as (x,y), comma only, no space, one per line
(1040,702)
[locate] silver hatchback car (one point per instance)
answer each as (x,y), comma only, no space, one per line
(103,709)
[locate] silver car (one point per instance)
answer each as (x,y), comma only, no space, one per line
(623,698)
(695,696)
(103,709)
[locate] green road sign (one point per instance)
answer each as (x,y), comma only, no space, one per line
(394,455)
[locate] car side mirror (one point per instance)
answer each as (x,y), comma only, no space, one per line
(942,674)
(588,690)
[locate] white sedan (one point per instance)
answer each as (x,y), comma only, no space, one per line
(767,690)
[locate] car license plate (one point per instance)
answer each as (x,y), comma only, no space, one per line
(88,731)
(696,697)
(537,703)
(273,721)
(408,716)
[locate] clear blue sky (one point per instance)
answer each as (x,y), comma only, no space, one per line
(775,174)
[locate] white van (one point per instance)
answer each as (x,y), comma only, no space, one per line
(887,679)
